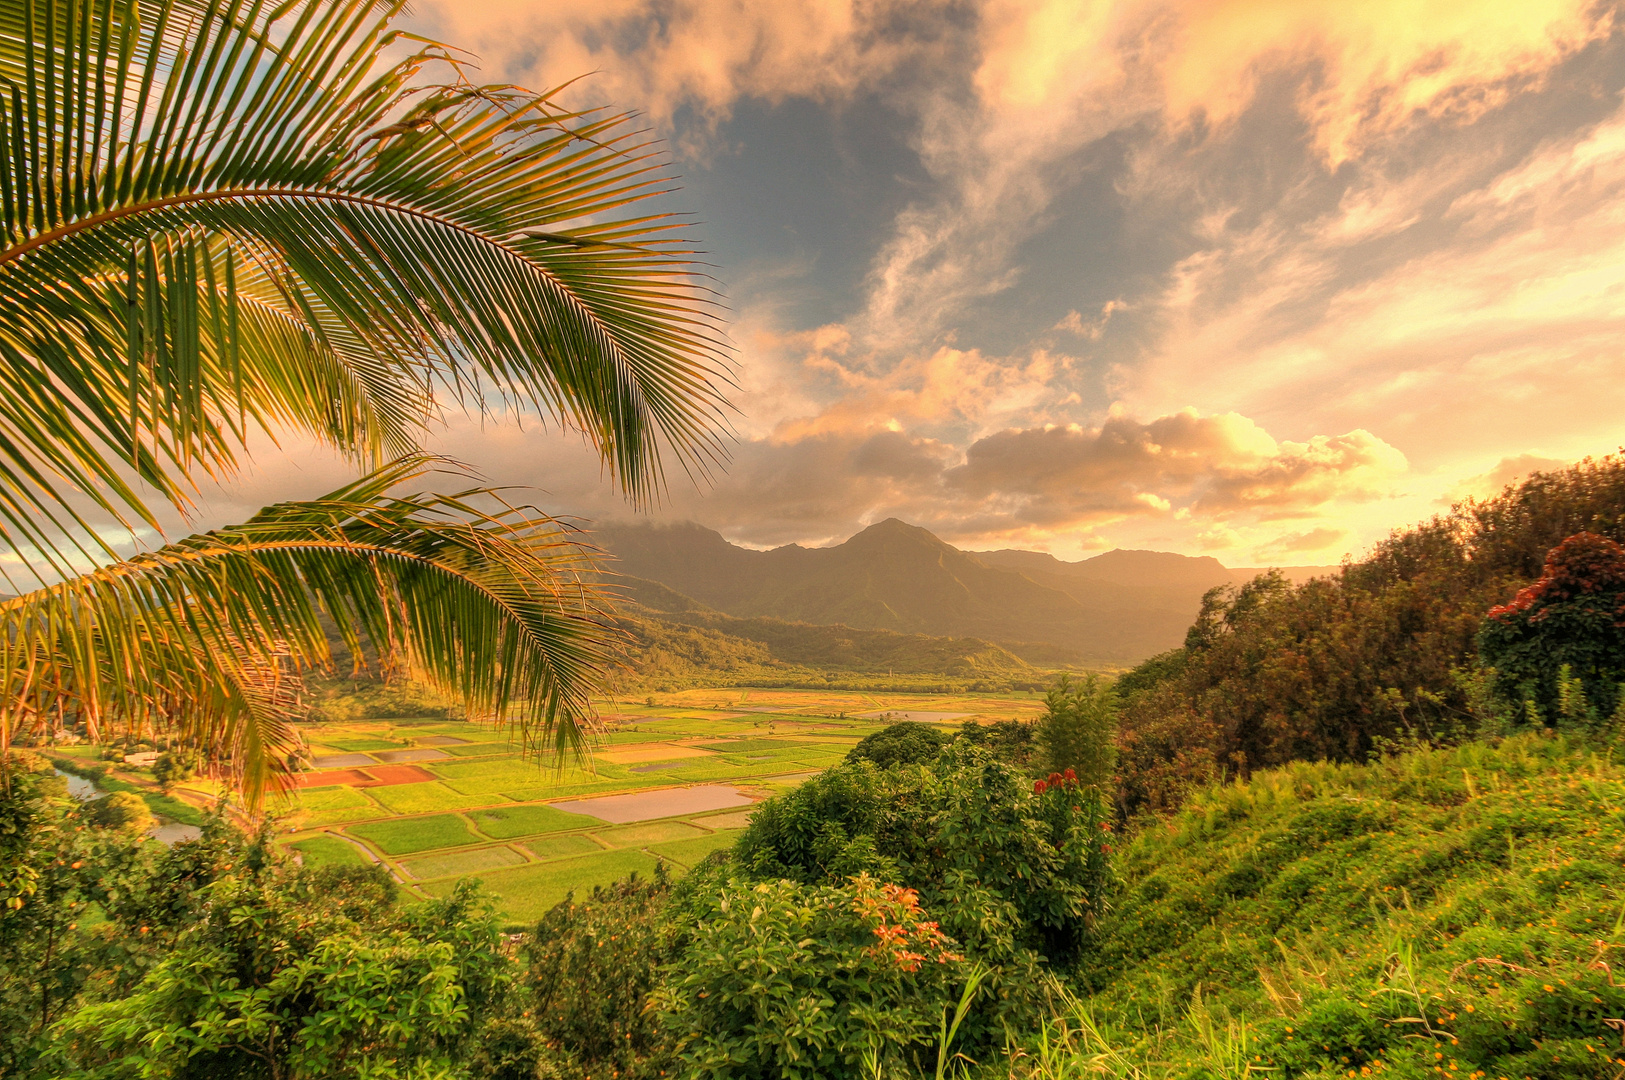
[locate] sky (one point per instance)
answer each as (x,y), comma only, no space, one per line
(1258,279)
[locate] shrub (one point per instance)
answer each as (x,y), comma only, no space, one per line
(122,810)
(1077,729)
(174,767)
(1014,873)
(906,743)
(1572,618)
(589,969)
(799,981)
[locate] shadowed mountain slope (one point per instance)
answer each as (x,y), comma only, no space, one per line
(1117,608)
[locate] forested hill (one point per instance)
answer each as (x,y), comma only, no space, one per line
(1119,607)
(1384,650)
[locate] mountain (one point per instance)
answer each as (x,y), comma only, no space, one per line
(1118,608)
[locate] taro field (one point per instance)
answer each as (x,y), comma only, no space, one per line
(434,800)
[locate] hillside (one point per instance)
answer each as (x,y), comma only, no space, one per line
(1116,608)
(674,641)
(1447,912)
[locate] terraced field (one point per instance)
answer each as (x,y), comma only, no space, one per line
(436,800)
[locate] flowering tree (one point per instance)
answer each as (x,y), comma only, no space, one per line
(1560,643)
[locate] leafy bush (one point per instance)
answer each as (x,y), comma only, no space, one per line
(1077,729)
(799,981)
(122,810)
(1570,624)
(907,743)
(589,969)
(1013,873)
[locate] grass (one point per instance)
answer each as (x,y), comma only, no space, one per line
(328,851)
(646,833)
(462,863)
(358,746)
(403,836)
(559,847)
(507,822)
(1446,913)
(527,892)
(686,853)
(418,798)
(335,805)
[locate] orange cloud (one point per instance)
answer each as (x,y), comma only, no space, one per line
(1376,63)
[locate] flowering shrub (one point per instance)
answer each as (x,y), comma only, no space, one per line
(798,981)
(1572,618)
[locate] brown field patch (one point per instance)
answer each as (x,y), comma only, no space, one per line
(377,776)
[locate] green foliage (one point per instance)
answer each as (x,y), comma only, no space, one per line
(1560,643)
(317,976)
(1013,873)
(907,743)
(589,968)
(1007,740)
(1339,666)
(1077,729)
(173,767)
(803,982)
(122,810)
(1441,911)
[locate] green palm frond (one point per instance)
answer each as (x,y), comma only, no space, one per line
(225,214)
(207,637)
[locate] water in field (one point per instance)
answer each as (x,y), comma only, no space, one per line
(173,832)
(667,802)
(78,786)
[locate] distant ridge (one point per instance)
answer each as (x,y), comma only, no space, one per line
(1116,608)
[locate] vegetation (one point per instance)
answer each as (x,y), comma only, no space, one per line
(305,233)
(1075,734)
(1382,653)
(905,743)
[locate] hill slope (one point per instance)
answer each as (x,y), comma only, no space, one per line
(1118,608)
(1448,912)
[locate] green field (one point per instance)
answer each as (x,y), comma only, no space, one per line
(485,811)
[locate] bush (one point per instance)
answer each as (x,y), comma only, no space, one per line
(122,810)
(174,767)
(1572,618)
(799,981)
(1077,729)
(1014,873)
(906,743)
(589,970)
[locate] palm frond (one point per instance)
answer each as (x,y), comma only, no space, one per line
(218,215)
(207,637)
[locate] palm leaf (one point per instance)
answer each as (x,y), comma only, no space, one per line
(207,637)
(217,216)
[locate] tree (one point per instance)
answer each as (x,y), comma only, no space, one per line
(227,218)
(908,742)
(1568,626)
(123,811)
(1077,729)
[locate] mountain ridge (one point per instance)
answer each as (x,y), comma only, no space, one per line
(1116,608)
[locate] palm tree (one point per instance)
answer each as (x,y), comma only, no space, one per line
(220,218)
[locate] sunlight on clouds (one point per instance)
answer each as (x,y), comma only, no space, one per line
(1380,62)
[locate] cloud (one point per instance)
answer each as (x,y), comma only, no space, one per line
(1369,68)
(1494,325)
(1209,465)
(1093,329)
(1507,471)
(1318,540)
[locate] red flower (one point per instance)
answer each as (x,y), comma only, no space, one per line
(1039,787)
(1071,774)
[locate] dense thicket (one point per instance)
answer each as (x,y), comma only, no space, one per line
(1382,652)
